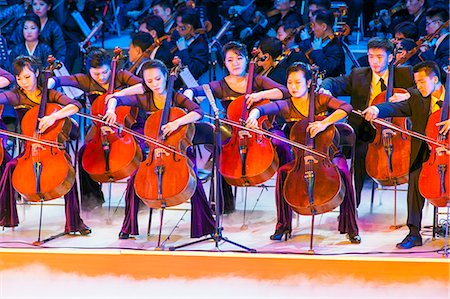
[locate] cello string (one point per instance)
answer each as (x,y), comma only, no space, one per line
(408,132)
(27,138)
(131,132)
(264,132)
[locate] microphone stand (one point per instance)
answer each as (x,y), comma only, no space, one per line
(216,185)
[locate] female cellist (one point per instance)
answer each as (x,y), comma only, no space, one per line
(27,71)
(151,98)
(95,82)
(5,203)
(295,109)
(233,86)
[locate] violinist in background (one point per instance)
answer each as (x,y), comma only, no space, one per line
(241,13)
(363,85)
(94,83)
(25,96)
(291,49)
(269,49)
(423,101)
(286,12)
(327,54)
(294,109)
(315,5)
(438,49)
(416,10)
(191,47)
(265,24)
(155,26)
(164,10)
(406,29)
(233,86)
(151,96)
(403,46)
(140,41)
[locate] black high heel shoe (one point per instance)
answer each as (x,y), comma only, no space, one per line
(279,233)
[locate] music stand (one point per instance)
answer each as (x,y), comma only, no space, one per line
(216,183)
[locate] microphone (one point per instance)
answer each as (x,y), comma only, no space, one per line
(94,30)
(211,99)
(221,32)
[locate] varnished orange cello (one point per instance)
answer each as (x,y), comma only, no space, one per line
(111,154)
(3,140)
(387,160)
(434,179)
(248,159)
(165,179)
(44,172)
(314,185)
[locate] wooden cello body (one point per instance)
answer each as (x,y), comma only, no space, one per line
(313,185)
(387,160)
(248,159)
(110,154)
(166,178)
(43,172)
(434,178)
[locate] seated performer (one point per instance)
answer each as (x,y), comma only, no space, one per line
(155,26)
(24,97)
(295,109)
(140,41)
(94,83)
(424,100)
(233,86)
(327,53)
(151,97)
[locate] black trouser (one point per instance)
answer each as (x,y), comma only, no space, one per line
(360,168)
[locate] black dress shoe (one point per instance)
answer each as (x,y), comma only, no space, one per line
(85,231)
(279,233)
(124,236)
(354,239)
(410,241)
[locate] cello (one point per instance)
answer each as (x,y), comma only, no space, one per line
(49,167)
(313,186)
(155,181)
(248,159)
(111,154)
(387,160)
(434,178)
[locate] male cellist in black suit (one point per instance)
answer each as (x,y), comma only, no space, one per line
(363,85)
(423,101)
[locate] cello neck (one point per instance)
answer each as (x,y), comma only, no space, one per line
(169,99)
(446,104)
(390,83)
(249,89)
(112,78)
(52,65)
(311,103)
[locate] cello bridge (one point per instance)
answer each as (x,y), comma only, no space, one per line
(244,133)
(388,133)
(106,130)
(310,160)
(441,151)
(160,151)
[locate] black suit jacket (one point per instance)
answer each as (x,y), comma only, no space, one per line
(417,108)
(357,85)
